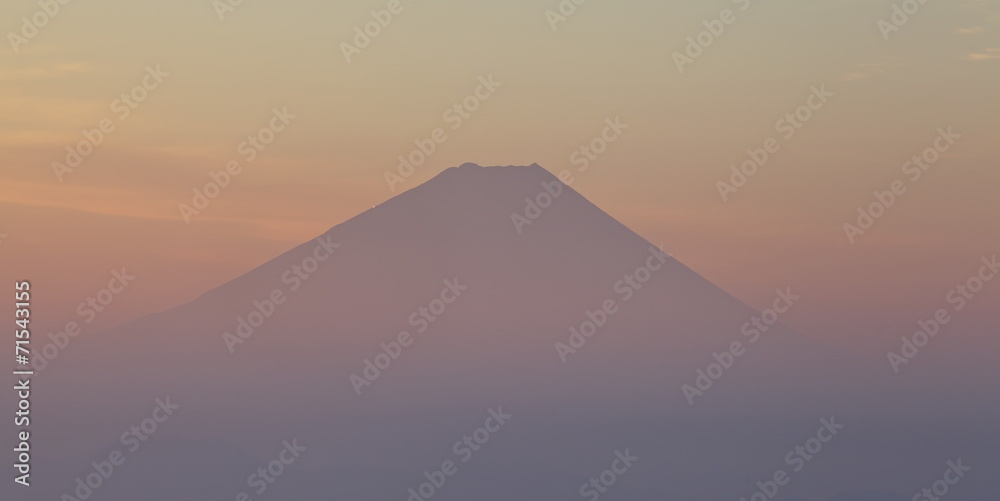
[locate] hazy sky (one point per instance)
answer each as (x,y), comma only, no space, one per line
(220,80)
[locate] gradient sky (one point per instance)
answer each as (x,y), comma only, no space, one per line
(609,59)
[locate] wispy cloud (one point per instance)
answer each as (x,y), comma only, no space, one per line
(988,54)
(971,31)
(49,71)
(868,70)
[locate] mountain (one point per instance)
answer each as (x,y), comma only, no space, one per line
(382,343)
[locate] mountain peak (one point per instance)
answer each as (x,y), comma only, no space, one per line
(513,174)
(474,167)
(473,187)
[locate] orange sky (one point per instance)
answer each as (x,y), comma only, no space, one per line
(220,80)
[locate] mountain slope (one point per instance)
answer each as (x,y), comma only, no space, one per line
(496,343)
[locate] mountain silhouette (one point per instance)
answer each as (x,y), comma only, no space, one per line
(493,274)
